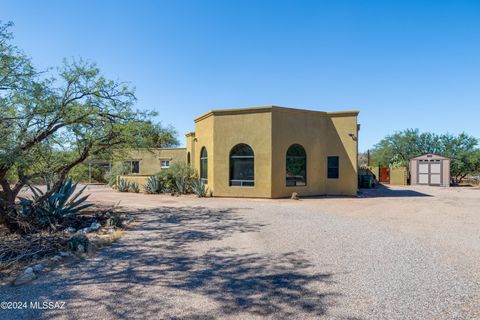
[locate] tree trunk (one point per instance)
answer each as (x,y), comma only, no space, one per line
(8,208)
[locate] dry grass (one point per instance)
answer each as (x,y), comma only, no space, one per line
(18,252)
(106,240)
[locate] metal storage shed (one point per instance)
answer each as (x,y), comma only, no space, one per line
(430,169)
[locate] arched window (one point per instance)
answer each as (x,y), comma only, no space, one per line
(188,158)
(242,169)
(204,165)
(296,166)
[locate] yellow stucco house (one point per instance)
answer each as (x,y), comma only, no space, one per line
(267,152)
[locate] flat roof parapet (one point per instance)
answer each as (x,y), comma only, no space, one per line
(263,109)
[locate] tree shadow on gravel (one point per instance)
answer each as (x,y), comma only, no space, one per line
(385,191)
(155,272)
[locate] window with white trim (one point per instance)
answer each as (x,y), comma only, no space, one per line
(165,164)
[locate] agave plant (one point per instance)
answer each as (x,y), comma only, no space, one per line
(60,204)
(134,187)
(123,185)
(199,188)
(181,185)
(152,185)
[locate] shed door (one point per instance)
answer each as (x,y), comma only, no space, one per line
(430,172)
(423,172)
(435,171)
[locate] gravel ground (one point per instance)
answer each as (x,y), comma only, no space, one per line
(393,253)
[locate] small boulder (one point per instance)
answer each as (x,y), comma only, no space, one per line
(38,267)
(83,231)
(56,258)
(295,196)
(64,254)
(28,270)
(80,248)
(70,230)
(95,226)
(24,278)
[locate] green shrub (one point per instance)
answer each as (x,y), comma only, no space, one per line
(118,169)
(199,188)
(82,173)
(153,185)
(114,221)
(178,178)
(75,241)
(134,187)
(123,185)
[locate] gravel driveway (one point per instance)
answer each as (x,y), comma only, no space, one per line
(393,253)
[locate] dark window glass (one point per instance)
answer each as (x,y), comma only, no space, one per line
(242,168)
(188,158)
(134,166)
(204,165)
(165,164)
(333,169)
(296,166)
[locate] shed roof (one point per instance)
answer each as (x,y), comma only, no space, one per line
(430,156)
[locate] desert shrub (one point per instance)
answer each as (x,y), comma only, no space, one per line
(178,178)
(153,185)
(115,221)
(134,187)
(81,173)
(199,188)
(76,241)
(123,185)
(51,211)
(118,169)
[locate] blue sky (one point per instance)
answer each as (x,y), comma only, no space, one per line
(403,64)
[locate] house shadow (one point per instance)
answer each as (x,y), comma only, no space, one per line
(171,267)
(384,191)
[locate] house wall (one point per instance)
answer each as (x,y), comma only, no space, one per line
(253,129)
(308,129)
(203,138)
(270,131)
(190,143)
(150,158)
(339,143)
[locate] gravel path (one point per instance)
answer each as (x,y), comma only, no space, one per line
(393,254)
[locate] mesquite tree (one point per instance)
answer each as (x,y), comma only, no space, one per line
(400,147)
(41,117)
